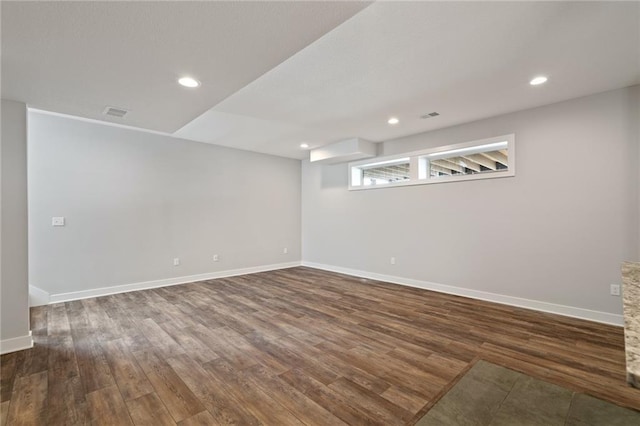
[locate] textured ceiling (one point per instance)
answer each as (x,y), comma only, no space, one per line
(276,74)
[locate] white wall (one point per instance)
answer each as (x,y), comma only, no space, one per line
(557,232)
(133,201)
(14,294)
(635,112)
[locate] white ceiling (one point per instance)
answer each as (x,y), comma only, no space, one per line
(78,57)
(467,61)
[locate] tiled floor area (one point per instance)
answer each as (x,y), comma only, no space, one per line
(496,396)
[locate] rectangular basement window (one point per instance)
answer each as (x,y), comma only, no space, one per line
(384,173)
(487,158)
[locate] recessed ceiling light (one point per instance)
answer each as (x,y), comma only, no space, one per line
(304,145)
(538,80)
(189,82)
(393,120)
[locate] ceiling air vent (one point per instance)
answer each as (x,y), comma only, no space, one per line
(430,115)
(115,112)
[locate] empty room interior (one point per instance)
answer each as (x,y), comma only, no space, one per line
(320,213)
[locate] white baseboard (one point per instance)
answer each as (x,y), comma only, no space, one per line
(38,297)
(569,311)
(104,291)
(16,344)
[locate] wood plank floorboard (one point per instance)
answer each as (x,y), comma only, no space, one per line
(297,346)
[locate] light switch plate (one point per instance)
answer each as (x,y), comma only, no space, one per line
(57,221)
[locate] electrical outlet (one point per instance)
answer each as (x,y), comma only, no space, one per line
(392,260)
(615,289)
(215,258)
(176,262)
(285,250)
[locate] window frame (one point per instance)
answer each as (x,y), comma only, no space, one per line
(416,157)
(392,162)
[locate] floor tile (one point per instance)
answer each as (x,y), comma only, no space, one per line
(587,410)
(534,402)
(487,372)
(470,402)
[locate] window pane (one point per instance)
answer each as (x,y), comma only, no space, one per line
(483,159)
(385,174)
(469,163)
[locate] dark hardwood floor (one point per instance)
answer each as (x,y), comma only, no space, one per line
(295,346)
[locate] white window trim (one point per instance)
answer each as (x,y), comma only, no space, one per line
(416,156)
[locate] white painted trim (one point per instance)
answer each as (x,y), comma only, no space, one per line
(103,122)
(38,297)
(415,155)
(16,344)
(536,305)
(104,291)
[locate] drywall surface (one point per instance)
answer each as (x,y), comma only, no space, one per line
(635,112)
(14,293)
(134,201)
(557,232)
